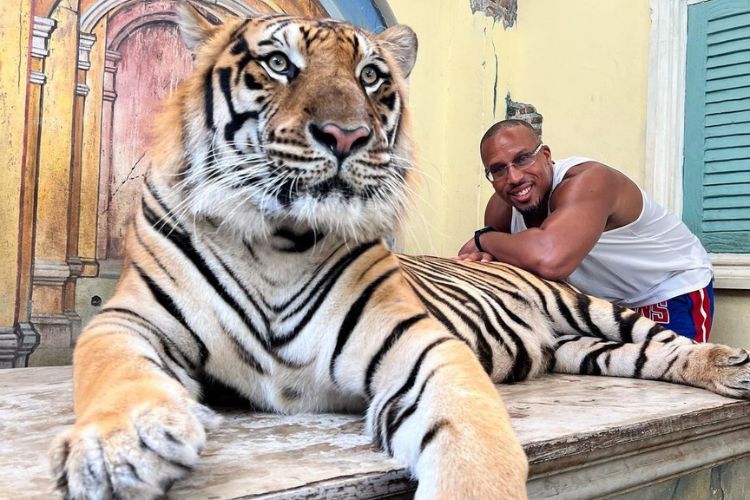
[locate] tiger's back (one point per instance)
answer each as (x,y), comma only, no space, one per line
(256,269)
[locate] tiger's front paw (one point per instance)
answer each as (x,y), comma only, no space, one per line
(729,371)
(135,455)
(473,466)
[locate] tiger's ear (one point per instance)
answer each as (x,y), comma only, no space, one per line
(196,24)
(401,41)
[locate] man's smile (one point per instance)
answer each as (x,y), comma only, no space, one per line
(522,194)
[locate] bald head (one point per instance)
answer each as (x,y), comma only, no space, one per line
(506,124)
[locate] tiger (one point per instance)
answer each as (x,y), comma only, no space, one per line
(257,275)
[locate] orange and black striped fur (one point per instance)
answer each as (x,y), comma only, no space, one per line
(256,272)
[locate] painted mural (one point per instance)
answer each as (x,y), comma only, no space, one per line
(83,78)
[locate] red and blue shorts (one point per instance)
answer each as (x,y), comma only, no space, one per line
(690,314)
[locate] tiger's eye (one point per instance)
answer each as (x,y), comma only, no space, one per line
(369,75)
(278,62)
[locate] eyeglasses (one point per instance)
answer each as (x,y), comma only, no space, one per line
(524,160)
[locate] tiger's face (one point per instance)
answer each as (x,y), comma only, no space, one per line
(296,121)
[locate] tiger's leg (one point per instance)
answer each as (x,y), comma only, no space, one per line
(432,406)
(580,314)
(137,428)
(715,367)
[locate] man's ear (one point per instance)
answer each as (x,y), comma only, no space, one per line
(196,24)
(401,41)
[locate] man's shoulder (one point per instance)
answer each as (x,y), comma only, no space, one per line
(589,170)
(620,197)
(587,180)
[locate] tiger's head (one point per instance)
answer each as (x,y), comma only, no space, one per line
(291,121)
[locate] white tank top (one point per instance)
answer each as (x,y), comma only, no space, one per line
(650,260)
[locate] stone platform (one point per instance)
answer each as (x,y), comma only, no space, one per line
(586,437)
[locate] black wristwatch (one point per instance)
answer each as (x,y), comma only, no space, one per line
(480,232)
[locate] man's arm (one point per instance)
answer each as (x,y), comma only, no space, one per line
(581,206)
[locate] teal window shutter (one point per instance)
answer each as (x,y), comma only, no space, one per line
(716,180)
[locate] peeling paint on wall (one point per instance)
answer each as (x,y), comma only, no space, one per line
(523,111)
(499,10)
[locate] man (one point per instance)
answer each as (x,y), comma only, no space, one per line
(581,221)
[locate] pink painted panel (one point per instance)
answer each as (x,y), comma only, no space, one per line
(154,60)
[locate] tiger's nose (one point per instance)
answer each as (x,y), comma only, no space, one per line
(341,141)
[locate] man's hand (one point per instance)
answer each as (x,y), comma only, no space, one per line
(470,252)
(475,257)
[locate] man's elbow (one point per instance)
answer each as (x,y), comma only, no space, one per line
(553,269)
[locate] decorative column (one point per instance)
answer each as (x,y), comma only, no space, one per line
(85,42)
(90,145)
(41,30)
(109,95)
(51,271)
(15,25)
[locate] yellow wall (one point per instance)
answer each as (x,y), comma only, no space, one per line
(584,64)
(14,33)
(451,99)
(731,317)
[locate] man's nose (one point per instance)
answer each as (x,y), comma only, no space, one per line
(514,174)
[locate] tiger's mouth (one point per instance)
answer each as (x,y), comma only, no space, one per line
(332,187)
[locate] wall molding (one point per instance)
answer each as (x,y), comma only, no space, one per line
(665,112)
(37,77)
(60,319)
(124,32)
(76,266)
(731,270)
(41,31)
(50,273)
(89,267)
(101,8)
(16,344)
(111,61)
(85,43)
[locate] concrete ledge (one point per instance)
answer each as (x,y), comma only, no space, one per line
(637,470)
(586,437)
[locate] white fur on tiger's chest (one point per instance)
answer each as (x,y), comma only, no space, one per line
(277,293)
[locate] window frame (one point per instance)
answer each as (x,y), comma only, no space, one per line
(665,114)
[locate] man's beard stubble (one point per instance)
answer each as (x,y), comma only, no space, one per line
(535,214)
(538,211)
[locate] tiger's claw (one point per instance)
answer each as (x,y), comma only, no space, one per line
(729,368)
(137,456)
